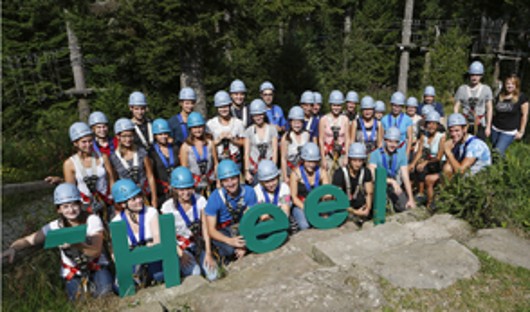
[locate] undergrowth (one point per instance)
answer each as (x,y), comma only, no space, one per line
(496,196)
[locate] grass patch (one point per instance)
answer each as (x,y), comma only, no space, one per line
(496,287)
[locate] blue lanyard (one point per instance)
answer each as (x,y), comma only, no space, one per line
(372,135)
(462,153)
(276,194)
(392,172)
(130,233)
(163,158)
(98,151)
(204,153)
(306,181)
(183,126)
(185,216)
(398,120)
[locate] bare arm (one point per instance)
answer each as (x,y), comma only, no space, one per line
(275,149)
(380,131)
(524,120)
(155,230)
(283,159)
(408,187)
(69,172)
(294,189)
(353,130)
(110,171)
(183,155)
(34,239)
(151,181)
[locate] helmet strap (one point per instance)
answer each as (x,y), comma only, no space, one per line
(132,214)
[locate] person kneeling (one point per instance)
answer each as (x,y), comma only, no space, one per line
(225,208)
(391,158)
(356,181)
(190,225)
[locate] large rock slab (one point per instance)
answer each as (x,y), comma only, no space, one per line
(440,227)
(424,265)
(504,246)
(348,248)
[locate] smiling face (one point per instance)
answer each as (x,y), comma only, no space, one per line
(135,203)
(308,109)
(70,211)
(138,111)
(396,109)
(84,144)
(432,127)
(259,119)
(474,79)
(270,186)
(187,106)
(350,107)
(126,138)
(428,99)
(238,98)
(391,145)
(231,185)
(101,130)
(336,109)
(511,84)
(224,111)
(184,195)
(316,108)
(411,110)
(356,163)
(368,113)
(296,125)
(197,132)
(267,96)
(162,138)
(310,166)
(457,133)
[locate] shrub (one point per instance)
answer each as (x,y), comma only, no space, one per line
(497,196)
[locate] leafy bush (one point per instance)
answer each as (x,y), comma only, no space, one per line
(497,196)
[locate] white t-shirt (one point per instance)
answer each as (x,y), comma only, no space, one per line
(150,213)
(183,233)
(235,127)
(284,196)
(94,226)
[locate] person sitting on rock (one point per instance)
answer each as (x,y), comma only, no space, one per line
(225,208)
(79,261)
(306,177)
(271,190)
(463,151)
(356,181)
(394,160)
(187,208)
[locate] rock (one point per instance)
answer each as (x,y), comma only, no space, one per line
(148,298)
(440,227)
(425,266)
(504,246)
(347,248)
(407,216)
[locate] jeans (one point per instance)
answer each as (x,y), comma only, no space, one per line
(193,268)
(500,141)
(225,251)
(101,280)
(300,218)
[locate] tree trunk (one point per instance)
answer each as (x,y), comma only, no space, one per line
(405,45)
(346,44)
(191,76)
(502,41)
(76,61)
(428,59)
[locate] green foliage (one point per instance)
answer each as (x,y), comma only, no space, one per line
(497,196)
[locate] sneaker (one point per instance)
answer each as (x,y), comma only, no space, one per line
(421,199)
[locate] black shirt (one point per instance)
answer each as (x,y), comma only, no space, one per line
(160,172)
(508,114)
(338,180)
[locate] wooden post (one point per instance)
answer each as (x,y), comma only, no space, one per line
(502,41)
(428,59)
(191,76)
(76,61)
(404,47)
(346,44)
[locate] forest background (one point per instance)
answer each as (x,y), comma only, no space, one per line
(158,47)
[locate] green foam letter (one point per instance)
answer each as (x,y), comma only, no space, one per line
(380,196)
(265,236)
(126,259)
(69,235)
(336,209)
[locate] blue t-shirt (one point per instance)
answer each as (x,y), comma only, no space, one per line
(392,163)
(476,149)
(437,106)
(217,207)
(276,117)
(402,122)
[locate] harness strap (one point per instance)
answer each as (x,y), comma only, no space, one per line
(140,134)
(73,271)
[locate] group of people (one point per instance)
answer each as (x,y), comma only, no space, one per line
(207,173)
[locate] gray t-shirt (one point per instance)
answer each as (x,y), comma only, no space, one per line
(131,170)
(473,101)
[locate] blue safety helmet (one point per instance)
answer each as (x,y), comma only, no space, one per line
(357,150)
(97,118)
(352,96)
(257,107)
(296,113)
(66,193)
(367,102)
(267,85)
(195,119)
(222,98)
(307,98)
(182,178)
(78,130)
(310,152)
(393,134)
(124,189)
(123,124)
(187,94)
(137,98)
(476,68)
(227,168)
(397,98)
(267,170)
(160,126)
(336,98)
(456,119)
(429,91)
(238,86)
